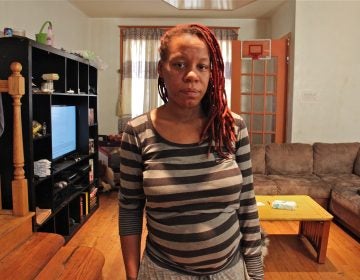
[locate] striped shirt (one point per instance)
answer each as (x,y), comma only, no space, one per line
(200,209)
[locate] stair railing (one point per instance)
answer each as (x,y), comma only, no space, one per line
(15,86)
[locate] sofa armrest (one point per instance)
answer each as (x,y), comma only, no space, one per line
(357,164)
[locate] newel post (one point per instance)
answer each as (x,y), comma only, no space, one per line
(16,85)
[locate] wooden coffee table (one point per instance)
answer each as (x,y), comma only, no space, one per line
(314,220)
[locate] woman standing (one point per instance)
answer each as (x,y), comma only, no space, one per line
(188,164)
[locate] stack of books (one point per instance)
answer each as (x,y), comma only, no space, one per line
(93,198)
(91,116)
(88,200)
(84,204)
(91,171)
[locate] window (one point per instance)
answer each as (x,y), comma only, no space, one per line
(139,58)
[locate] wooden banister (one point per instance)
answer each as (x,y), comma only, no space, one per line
(15,86)
(4,86)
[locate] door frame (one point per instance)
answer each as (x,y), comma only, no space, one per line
(279,49)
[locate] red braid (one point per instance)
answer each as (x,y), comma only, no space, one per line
(219,129)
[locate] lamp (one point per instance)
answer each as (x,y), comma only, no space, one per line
(226,5)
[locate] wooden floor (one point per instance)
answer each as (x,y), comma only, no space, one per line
(289,256)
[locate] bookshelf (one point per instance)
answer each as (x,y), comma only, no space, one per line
(62,189)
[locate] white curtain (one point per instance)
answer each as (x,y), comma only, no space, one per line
(225,36)
(140,55)
(139,72)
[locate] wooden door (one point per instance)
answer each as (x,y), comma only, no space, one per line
(258,92)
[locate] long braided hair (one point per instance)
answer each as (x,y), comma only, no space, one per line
(219,129)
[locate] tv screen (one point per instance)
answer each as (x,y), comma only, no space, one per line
(63,130)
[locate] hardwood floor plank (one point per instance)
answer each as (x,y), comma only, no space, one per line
(101,232)
(288,256)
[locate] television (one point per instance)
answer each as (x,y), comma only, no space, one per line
(63,130)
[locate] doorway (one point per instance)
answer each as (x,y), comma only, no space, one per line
(258,88)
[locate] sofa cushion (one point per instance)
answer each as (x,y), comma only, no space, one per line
(263,185)
(258,158)
(302,184)
(341,180)
(357,164)
(335,158)
(289,158)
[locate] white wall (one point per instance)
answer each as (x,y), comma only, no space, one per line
(326,90)
(323,85)
(283,24)
(282,21)
(105,42)
(70,26)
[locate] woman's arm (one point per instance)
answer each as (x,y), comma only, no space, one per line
(130,247)
(131,202)
(248,213)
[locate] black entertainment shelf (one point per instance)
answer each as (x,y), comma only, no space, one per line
(66,197)
(66,163)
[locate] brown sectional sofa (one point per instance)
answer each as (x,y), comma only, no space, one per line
(328,172)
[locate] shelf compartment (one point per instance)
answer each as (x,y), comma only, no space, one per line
(83,78)
(45,62)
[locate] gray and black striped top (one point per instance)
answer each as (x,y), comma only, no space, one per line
(200,209)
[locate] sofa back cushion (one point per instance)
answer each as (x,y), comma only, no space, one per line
(258,158)
(289,159)
(335,158)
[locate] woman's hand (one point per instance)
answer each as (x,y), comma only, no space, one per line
(130,247)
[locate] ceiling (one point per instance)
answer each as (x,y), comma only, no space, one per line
(161,9)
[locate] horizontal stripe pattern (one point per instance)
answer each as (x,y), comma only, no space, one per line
(200,208)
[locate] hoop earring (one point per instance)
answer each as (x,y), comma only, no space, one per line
(162,90)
